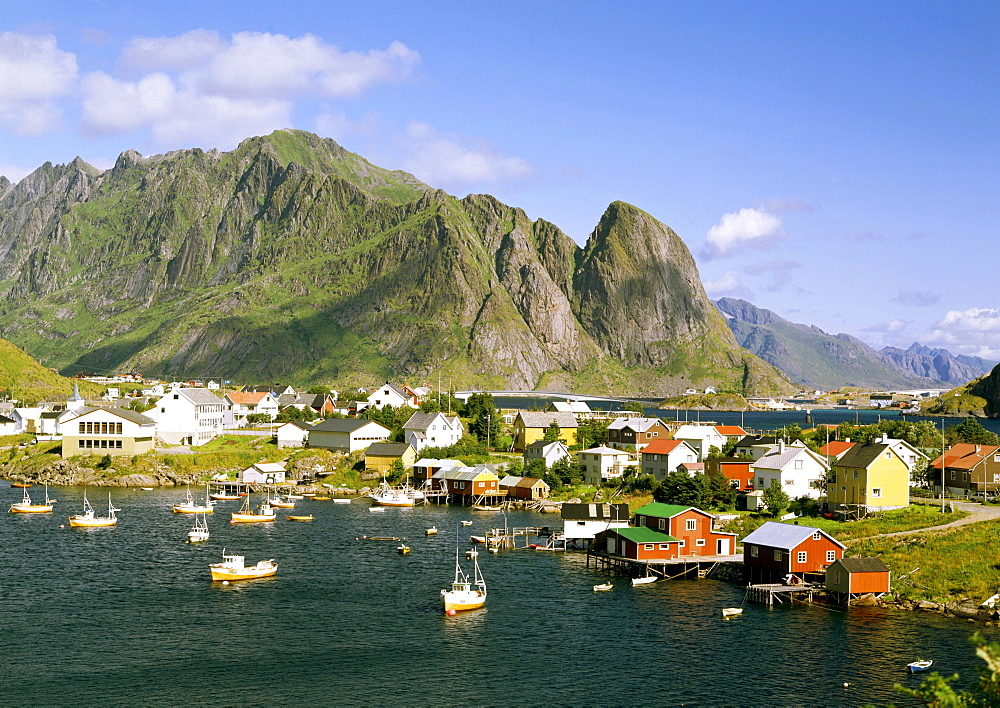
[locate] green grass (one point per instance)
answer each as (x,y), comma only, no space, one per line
(915,516)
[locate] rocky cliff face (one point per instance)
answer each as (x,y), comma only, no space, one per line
(291,258)
(936,364)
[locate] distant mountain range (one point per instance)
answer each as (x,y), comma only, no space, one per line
(810,356)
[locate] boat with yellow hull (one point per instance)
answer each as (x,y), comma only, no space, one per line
(90,519)
(233,568)
(26,506)
(280,503)
(465,593)
(300,518)
(190,506)
(246,515)
(20,485)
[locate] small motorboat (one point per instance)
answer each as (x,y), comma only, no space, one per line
(380,538)
(402,549)
(431,531)
(477,539)
(728,612)
(602,587)
(338,500)
(20,485)
(279,502)
(309,494)
(146,489)
(199,532)
(466,523)
(644,581)
(300,518)
(466,593)
(376,509)
(246,515)
(233,568)
(319,498)
(90,519)
(485,507)
(915,667)
(223,496)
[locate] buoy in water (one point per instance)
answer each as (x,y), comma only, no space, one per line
(451,613)
(61,526)
(225,582)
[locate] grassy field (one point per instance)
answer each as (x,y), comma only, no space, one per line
(915,516)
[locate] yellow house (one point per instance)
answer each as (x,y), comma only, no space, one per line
(380,456)
(530,426)
(872,477)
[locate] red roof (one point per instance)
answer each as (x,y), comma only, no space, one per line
(965,455)
(240,397)
(730,430)
(662,447)
(835,448)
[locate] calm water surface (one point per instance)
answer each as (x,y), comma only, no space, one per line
(128,615)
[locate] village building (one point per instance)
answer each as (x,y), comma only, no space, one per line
(320,404)
(8,426)
(737,470)
(701,438)
(241,404)
(188,416)
(108,431)
(732,433)
(969,468)
(530,426)
(468,484)
(392,395)
(774,552)
(275,389)
(637,543)
(524,488)
(601,464)
(347,434)
(636,433)
(693,528)
(847,579)
(754,446)
(292,434)
(800,471)
(549,452)
(425,467)
(834,450)
(867,478)
(262,473)
(582,522)
(579,408)
(380,456)
(432,430)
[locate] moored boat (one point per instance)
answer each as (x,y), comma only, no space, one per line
(485,507)
(465,593)
(190,506)
(728,612)
(199,532)
(300,518)
(402,549)
(915,667)
(337,500)
(281,502)
(26,506)
(431,531)
(644,581)
(391,496)
(602,587)
(466,523)
(90,519)
(20,485)
(246,515)
(233,567)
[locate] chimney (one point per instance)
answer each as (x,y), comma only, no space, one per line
(781,446)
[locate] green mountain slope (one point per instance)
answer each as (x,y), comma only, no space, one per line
(290,258)
(24,379)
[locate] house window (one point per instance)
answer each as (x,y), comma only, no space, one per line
(760,481)
(953,475)
(802,556)
(683,544)
(664,546)
(661,523)
(855,474)
(789,482)
(647,546)
(777,555)
(691,524)
(699,542)
(843,489)
(831,556)
(798,464)
(816,535)
(876,492)
(753,551)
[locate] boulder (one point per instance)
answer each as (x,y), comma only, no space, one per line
(867,600)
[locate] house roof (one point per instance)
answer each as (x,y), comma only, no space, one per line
(835,448)
(431,462)
(662,511)
(730,430)
(268,467)
(247,398)
(641,534)
(301,424)
(599,511)
(965,456)
(639,425)
(664,447)
(693,465)
(570,406)
(541,445)
(125,413)
(345,425)
(777,458)
(786,536)
(464,474)
(421,421)
(528,482)
(4,420)
(695,432)
(862,455)
(387,449)
(863,565)
(536,419)
(604,450)
(398,390)
(751,440)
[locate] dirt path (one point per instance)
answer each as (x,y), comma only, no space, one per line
(977,513)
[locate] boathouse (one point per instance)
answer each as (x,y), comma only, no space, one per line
(530,488)
(848,579)
(582,522)
(637,543)
(690,526)
(776,551)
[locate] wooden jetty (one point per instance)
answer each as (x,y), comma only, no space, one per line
(689,567)
(771,594)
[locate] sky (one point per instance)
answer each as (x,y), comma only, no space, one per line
(837,163)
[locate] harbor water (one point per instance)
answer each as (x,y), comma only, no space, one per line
(128,615)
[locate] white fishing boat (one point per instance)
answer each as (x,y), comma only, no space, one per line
(432,531)
(190,506)
(90,519)
(234,568)
(477,539)
(728,612)
(246,515)
(199,532)
(279,502)
(26,506)
(376,508)
(644,581)
(465,593)
(340,500)
(915,667)
(391,496)
(485,507)
(466,523)
(402,549)
(603,587)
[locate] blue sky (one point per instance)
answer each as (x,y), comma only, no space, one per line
(834,162)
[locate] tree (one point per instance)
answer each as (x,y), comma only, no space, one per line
(634,406)
(319,389)
(682,488)
(775,498)
(484,418)
(972,431)
(254,418)
(552,432)
(592,433)
(292,413)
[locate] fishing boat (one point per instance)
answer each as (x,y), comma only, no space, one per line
(728,612)
(466,523)
(472,554)
(309,494)
(644,581)
(300,518)
(485,507)
(190,506)
(199,532)
(246,515)
(224,496)
(431,531)
(295,497)
(146,489)
(402,549)
(602,587)
(477,539)
(380,538)
(319,498)
(279,502)
(915,667)
(465,593)
(26,506)
(391,496)
(20,485)
(376,508)
(234,568)
(90,519)
(338,500)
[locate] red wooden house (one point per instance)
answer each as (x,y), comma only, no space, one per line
(775,551)
(737,470)
(850,578)
(691,527)
(637,543)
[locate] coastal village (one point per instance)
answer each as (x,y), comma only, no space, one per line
(405,442)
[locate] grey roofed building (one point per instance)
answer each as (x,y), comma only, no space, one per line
(387,449)
(862,455)
(341,425)
(539,419)
(863,565)
(599,511)
(785,536)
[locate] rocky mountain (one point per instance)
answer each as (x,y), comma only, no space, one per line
(291,258)
(809,355)
(988,388)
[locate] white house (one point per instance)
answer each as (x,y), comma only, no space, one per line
(7,426)
(347,434)
(188,416)
(601,463)
(293,434)
(262,473)
(432,430)
(550,452)
(661,457)
(392,395)
(584,521)
(569,406)
(239,405)
(27,420)
(701,438)
(801,472)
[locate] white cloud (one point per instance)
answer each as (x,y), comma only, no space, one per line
(337,125)
(452,161)
(891,327)
(747,228)
(34,75)
(727,285)
(14,172)
(976,330)
(914,298)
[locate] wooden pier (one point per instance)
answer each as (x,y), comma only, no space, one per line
(771,594)
(685,567)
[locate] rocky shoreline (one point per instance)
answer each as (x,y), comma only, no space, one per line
(67,473)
